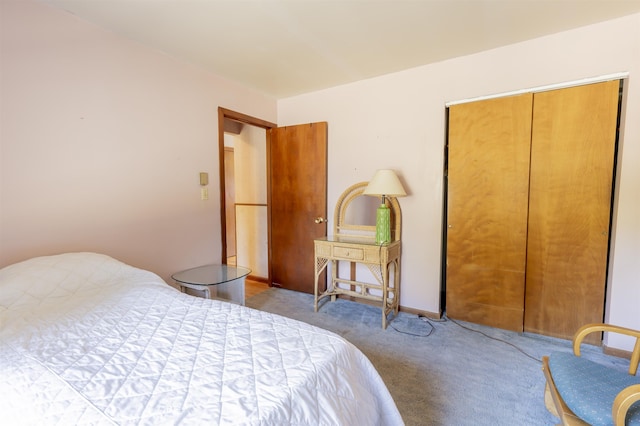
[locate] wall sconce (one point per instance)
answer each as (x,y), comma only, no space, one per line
(385,183)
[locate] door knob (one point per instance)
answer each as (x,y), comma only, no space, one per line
(319,220)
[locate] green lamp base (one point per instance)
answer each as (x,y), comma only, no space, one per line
(383,225)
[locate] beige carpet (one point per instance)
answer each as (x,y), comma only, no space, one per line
(440,373)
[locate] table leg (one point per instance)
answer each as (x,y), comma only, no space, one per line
(385,295)
(320,266)
(396,286)
(334,278)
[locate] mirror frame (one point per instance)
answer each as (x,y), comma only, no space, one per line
(340,227)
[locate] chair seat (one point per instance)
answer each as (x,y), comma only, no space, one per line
(589,388)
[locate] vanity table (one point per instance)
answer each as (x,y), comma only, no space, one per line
(353,241)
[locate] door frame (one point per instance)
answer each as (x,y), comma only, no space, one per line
(224,113)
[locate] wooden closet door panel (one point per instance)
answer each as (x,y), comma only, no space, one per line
(573,148)
(488,184)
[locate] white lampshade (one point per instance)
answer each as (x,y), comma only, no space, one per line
(385,182)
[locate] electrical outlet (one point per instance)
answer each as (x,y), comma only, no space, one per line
(204,194)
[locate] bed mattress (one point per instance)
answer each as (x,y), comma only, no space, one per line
(86,339)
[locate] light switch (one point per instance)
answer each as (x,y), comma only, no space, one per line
(204,178)
(204,193)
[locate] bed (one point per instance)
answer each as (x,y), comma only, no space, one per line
(87,339)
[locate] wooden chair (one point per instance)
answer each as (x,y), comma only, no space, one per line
(582,392)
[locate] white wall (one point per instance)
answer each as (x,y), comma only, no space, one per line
(398,121)
(102,141)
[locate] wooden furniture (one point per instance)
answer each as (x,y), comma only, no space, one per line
(529,208)
(591,379)
(354,242)
(224,282)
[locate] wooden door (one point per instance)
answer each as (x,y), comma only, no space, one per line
(298,195)
(488,184)
(572,160)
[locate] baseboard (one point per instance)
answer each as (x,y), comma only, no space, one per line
(620,353)
(419,312)
(258,279)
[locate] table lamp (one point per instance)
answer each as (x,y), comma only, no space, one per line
(386,184)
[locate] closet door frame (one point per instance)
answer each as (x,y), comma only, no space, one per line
(619,79)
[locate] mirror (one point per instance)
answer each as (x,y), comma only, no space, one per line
(361,210)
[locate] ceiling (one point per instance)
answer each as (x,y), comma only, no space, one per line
(288,47)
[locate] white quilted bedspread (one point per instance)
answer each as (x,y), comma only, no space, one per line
(86,339)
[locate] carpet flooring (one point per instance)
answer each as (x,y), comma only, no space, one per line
(441,372)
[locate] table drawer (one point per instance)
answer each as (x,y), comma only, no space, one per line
(348,253)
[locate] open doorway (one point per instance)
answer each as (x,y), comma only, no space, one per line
(243,189)
(230,197)
(296,195)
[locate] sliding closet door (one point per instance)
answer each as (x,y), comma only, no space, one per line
(572,159)
(488,184)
